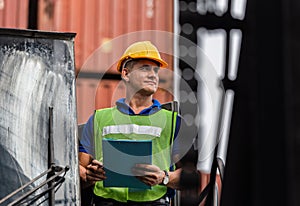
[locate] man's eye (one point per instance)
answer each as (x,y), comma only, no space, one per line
(145,68)
(156,69)
(149,68)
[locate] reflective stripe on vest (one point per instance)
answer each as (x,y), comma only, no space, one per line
(131,129)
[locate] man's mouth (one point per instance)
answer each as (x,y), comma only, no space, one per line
(150,82)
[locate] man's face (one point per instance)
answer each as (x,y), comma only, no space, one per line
(143,77)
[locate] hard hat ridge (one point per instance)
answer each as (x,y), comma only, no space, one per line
(141,50)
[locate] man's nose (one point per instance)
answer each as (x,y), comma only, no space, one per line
(153,72)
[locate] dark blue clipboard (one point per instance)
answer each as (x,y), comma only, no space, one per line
(119,156)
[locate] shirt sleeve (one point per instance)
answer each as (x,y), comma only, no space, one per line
(86,144)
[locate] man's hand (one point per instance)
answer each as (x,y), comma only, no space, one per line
(149,174)
(90,170)
(95,172)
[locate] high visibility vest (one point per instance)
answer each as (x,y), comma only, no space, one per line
(158,127)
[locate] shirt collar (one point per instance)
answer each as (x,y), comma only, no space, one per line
(125,108)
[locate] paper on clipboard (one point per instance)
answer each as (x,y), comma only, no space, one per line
(119,156)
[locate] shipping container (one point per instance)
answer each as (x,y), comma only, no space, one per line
(14,13)
(97,21)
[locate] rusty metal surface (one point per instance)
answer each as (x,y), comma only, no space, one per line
(96,21)
(37,73)
(14,13)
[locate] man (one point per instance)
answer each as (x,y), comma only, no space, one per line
(139,67)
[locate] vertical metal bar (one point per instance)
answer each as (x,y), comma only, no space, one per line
(51,193)
(212,194)
(33,14)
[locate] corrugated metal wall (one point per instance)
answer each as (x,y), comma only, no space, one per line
(14,13)
(96,21)
(100,21)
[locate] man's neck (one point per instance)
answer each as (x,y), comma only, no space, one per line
(138,103)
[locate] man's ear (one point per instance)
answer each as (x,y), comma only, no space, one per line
(124,74)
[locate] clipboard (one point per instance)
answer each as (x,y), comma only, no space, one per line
(119,156)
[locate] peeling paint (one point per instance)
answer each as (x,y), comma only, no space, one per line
(35,74)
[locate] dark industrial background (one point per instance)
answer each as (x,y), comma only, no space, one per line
(262,166)
(263,156)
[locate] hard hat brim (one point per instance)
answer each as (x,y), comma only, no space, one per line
(161,62)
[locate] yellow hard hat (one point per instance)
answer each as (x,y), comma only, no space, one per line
(141,50)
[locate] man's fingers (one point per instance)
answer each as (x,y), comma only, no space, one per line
(95,176)
(148,180)
(92,179)
(95,171)
(147,167)
(152,177)
(146,170)
(97,163)
(142,172)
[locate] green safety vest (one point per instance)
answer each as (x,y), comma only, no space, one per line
(157,127)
